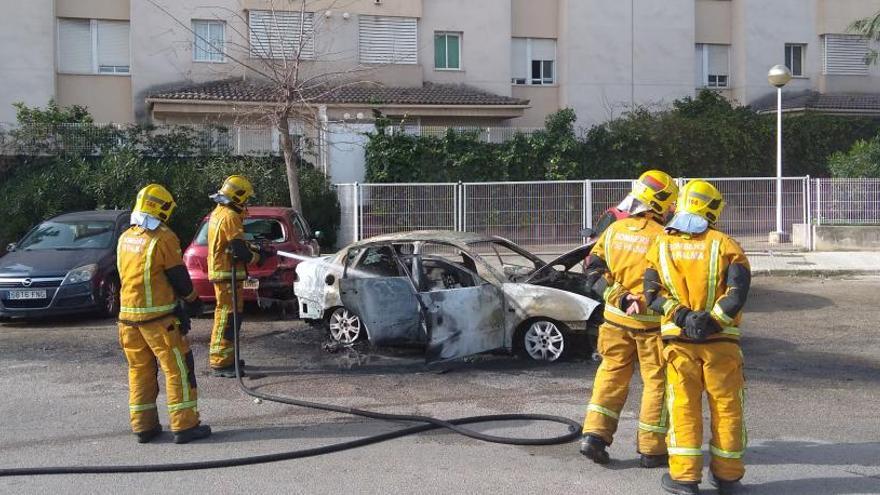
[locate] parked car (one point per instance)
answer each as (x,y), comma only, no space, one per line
(66,264)
(272,281)
(458,293)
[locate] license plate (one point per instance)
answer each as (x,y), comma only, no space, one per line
(15,295)
(251,283)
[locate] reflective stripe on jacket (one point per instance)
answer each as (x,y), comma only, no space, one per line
(224,225)
(693,273)
(142,257)
(624,246)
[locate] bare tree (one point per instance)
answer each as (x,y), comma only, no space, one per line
(293,75)
(869,27)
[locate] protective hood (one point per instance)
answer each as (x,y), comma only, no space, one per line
(632,205)
(688,223)
(145,220)
(221,198)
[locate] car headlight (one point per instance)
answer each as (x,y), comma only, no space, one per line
(80,274)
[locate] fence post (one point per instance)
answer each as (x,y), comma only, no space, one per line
(464,207)
(587,208)
(805,194)
(356,212)
(818,201)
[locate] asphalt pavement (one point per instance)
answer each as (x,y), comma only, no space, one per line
(812,353)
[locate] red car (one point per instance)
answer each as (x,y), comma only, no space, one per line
(272,282)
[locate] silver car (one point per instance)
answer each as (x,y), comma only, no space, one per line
(457,293)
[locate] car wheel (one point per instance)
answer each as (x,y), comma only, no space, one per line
(345,326)
(545,340)
(110,297)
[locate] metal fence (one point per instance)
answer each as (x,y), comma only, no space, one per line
(484,134)
(549,216)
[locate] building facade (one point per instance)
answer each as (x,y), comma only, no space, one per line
(433,62)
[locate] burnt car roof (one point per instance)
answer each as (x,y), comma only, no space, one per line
(446,236)
(92,215)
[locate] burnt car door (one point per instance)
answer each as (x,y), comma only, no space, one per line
(464,314)
(377,288)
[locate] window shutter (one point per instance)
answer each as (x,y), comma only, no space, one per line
(845,55)
(519,64)
(75,45)
(543,49)
(113,51)
(719,63)
(277,34)
(388,40)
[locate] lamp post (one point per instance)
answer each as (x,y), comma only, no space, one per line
(778,76)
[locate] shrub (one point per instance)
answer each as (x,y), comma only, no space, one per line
(862,161)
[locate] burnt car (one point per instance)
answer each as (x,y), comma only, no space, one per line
(66,264)
(457,293)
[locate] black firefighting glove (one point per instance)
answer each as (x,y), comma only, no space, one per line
(183,317)
(194,307)
(241,251)
(265,251)
(697,325)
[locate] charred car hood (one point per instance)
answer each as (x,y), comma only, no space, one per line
(567,260)
(47,263)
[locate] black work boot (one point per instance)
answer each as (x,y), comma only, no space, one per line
(149,435)
(679,488)
(197,432)
(725,487)
(654,461)
(593,447)
(229,371)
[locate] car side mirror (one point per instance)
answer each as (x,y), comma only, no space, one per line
(588,232)
(10,247)
(318,235)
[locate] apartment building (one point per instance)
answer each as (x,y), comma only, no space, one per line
(433,62)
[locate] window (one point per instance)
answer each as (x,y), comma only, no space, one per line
(533,61)
(447,51)
(209,41)
(794,58)
(90,46)
(844,54)
(713,66)
(279,34)
(388,40)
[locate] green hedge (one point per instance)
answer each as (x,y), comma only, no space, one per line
(705,136)
(37,188)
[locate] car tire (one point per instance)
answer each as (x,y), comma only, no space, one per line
(544,340)
(344,326)
(109,300)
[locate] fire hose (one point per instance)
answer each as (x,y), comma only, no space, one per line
(424,423)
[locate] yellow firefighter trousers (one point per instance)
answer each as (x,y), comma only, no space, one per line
(620,349)
(715,367)
(222,350)
(144,344)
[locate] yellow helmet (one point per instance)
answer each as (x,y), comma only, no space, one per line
(657,190)
(155,200)
(238,189)
(702,199)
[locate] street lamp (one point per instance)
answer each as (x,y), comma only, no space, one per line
(778,76)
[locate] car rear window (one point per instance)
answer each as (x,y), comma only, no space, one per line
(255,229)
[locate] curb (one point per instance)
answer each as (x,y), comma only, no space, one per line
(812,273)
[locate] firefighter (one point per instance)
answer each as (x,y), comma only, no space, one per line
(631,332)
(698,279)
(226,244)
(157,299)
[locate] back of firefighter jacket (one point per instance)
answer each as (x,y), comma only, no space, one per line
(224,225)
(142,257)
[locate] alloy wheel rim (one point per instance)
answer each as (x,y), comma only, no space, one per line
(544,341)
(345,327)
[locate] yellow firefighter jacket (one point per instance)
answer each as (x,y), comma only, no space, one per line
(224,225)
(623,247)
(693,272)
(142,257)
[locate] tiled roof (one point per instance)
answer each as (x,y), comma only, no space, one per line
(828,102)
(368,94)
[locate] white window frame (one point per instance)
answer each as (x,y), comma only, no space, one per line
(93,30)
(460,36)
(306,22)
(529,81)
(803,47)
(704,68)
(222,24)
